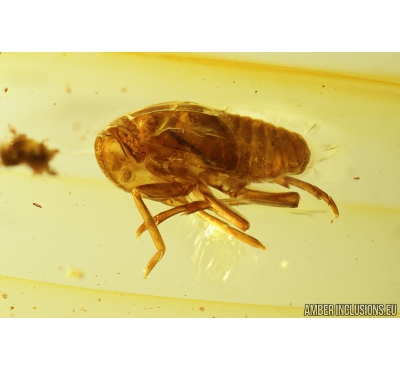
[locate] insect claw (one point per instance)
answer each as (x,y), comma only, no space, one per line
(155,259)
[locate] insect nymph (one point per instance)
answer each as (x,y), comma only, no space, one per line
(175,152)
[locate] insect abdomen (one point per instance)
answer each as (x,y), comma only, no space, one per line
(267,151)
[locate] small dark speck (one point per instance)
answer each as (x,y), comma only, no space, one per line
(37,205)
(234,81)
(256,91)
(356,178)
(202,308)
(55,103)
(323,85)
(6,89)
(96,92)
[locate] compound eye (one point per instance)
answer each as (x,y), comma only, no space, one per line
(125,175)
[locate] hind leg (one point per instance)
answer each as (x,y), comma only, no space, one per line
(313,190)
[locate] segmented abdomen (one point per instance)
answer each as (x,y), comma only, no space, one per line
(267,151)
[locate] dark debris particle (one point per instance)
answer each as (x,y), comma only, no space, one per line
(6,89)
(23,150)
(37,205)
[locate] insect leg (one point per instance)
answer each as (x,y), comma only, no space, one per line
(154,232)
(224,227)
(318,193)
(200,205)
(156,191)
(236,189)
(289,199)
(219,208)
(223,210)
(246,196)
(185,208)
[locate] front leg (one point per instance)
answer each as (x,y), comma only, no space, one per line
(154,232)
(156,192)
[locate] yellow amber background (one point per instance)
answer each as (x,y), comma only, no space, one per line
(81,247)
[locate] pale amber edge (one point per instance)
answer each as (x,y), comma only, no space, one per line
(26,298)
